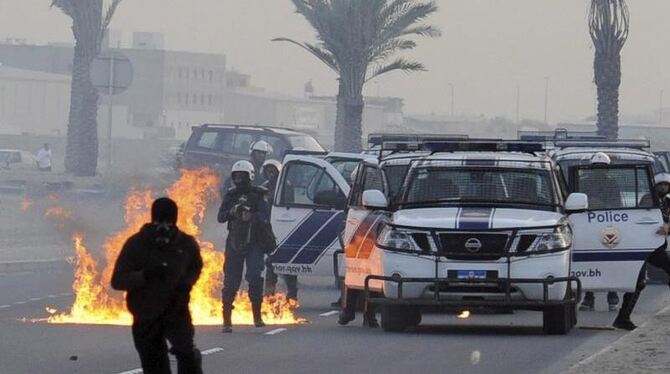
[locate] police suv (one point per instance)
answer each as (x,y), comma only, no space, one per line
(462,224)
(616,234)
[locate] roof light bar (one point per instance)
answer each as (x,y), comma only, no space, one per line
(482,146)
(379,139)
(622,143)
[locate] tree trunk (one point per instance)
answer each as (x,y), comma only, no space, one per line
(349,122)
(607,69)
(81,154)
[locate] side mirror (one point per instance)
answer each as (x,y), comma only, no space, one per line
(577,203)
(375,199)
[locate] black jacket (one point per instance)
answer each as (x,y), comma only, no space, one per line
(242,235)
(148,299)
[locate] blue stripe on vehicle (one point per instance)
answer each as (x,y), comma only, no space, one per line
(474,218)
(611,256)
(295,241)
(320,243)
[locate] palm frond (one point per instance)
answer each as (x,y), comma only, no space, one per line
(65,6)
(109,14)
(400,64)
(323,55)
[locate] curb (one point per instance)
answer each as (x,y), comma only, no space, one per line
(622,343)
(10,267)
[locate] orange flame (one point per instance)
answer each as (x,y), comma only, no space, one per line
(96,303)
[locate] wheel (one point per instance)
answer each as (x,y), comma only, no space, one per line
(395,318)
(557,320)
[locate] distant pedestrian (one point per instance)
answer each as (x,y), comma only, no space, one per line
(44,158)
(157,268)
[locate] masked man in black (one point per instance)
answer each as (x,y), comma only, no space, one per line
(157,268)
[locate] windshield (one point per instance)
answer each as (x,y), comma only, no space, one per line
(346,168)
(479,185)
(305,143)
(395,176)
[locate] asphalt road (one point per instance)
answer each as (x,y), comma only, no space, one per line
(444,344)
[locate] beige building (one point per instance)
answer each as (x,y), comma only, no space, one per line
(33,102)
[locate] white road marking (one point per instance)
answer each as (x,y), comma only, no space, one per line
(20,302)
(4,306)
(134,371)
(275,331)
(328,314)
(52,296)
(65,294)
(211,351)
(35,299)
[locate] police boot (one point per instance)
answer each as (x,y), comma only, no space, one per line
(227,318)
(370,317)
(588,303)
(258,318)
(622,320)
(348,312)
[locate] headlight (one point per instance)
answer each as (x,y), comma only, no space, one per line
(406,240)
(559,240)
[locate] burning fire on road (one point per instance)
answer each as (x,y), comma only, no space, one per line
(96,303)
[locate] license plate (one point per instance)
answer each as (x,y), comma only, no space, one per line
(471,274)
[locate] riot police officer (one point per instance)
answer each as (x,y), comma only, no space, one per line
(658,258)
(244,209)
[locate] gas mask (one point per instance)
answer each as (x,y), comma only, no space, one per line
(163,233)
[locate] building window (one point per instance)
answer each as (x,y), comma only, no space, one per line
(211,75)
(210,100)
(186,99)
(195,99)
(202,99)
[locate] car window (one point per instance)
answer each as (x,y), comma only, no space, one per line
(309,185)
(616,188)
(279,147)
(305,143)
(238,143)
(345,168)
(209,140)
(372,180)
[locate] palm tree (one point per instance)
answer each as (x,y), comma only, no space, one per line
(609,23)
(359,41)
(89,24)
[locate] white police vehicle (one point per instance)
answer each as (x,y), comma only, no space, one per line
(617,233)
(470,224)
(308,212)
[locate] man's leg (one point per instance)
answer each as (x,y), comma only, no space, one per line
(149,340)
(350,301)
(291,286)
(660,259)
(179,332)
(612,301)
(588,302)
(270,277)
(622,320)
(254,276)
(232,277)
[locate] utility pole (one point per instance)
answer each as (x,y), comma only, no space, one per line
(546,98)
(452,99)
(110,112)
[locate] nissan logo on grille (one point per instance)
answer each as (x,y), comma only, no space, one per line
(473,245)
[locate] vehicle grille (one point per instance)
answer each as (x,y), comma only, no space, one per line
(463,246)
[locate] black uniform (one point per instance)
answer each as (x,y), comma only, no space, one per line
(242,247)
(158,267)
(658,258)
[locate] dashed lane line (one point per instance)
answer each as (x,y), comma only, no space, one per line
(331,313)
(4,306)
(206,352)
(276,331)
(20,302)
(36,299)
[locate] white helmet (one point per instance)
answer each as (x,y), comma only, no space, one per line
(662,178)
(244,167)
(601,158)
(274,163)
(260,146)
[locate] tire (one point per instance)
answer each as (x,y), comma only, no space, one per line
(557,320)
(395,318)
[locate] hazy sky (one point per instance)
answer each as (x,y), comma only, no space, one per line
(488,48)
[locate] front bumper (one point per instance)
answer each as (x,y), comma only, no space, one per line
(509,299)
